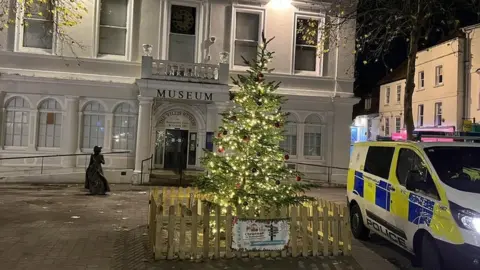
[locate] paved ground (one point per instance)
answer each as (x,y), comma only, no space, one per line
(381,247)
(60,227)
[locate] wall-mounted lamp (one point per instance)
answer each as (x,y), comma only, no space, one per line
(281,3)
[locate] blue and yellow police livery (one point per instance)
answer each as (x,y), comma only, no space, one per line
(423,197)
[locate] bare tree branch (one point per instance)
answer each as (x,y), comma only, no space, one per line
(379,23)
(57,17)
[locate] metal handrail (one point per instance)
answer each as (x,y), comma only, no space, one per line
(319,165)
(151,166)
(62,155)
(329,168)
(59,155)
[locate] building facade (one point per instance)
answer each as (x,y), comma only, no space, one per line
(439,95)
(152,76)
(472,73)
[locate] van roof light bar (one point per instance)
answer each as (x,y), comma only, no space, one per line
(467,138)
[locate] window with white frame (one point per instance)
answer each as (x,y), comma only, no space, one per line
(387,126)
(50,124)
(93,125)
(37,25)
(438,75)
(387,95)
(399,93)
(124,124)
(312,145)
(289,144)
(420,115)
(16,122)
(183,33)
(421,80)
(113,27)
(438,114)
(368,103)
(398,124)
(306,41)
(248,25)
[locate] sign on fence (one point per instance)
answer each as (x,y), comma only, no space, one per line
(260,234)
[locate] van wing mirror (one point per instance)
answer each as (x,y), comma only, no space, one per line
(415,180)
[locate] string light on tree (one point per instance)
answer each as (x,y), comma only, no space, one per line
(253,173)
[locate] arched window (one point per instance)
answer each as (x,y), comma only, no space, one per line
(16,132)
(289,144)
(123,132)
(93,125)
(50,124)
(312,145)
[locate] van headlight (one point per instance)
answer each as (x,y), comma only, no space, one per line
(465,218)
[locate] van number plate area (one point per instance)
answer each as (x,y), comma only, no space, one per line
(383,231)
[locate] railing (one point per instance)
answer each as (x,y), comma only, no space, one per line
(189,72)
(151,166)
(328,172)
(43,157)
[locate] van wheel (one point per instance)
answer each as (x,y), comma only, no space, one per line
(430,257)
(359,230)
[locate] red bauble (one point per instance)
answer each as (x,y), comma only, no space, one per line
(299,178)
(287,157)
(219,135)
(237,186)
(260,77)
(221,149)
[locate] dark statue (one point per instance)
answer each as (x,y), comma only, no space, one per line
(95,180)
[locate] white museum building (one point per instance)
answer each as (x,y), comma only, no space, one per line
(153,72)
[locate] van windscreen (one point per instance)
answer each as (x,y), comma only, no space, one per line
(458,167)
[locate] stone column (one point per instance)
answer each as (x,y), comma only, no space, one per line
(33,130)
(2,119)
(70,131)
(143,132)
(212,114)
(107,141)
(341,140)
(221,107)
(300,140)
(201,138)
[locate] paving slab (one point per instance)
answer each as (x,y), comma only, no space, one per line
(45,227)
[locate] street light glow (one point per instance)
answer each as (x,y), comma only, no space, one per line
(281,4)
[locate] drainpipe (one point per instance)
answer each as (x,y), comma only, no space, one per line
(466,76)
(334,95)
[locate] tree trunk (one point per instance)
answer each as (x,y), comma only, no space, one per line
(410,83)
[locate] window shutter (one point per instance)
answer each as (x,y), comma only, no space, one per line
(50,118)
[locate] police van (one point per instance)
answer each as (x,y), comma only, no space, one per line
(422,196)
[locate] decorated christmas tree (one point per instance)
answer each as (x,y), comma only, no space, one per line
(248,166)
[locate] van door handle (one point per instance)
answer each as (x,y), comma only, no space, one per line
(392,188)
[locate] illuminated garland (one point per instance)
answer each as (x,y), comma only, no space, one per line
(248,167)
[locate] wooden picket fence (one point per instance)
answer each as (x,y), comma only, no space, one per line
(180,227)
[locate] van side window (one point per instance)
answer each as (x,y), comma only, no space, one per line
(379,160)
(408,160)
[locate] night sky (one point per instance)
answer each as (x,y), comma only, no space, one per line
(367,76)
